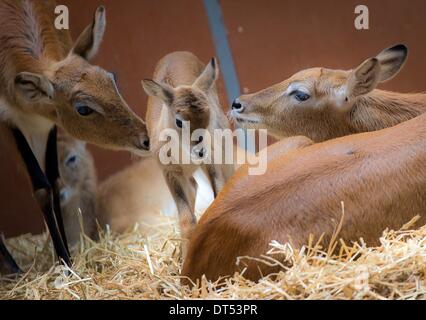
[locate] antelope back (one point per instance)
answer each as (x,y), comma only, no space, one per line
(139,194)
(379,176)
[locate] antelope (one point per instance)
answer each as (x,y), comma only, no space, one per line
(45,81)
(379,175)
(323,104)
(77,188)
(139,194)
(183,93)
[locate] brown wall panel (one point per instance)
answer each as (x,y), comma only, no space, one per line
(273,39)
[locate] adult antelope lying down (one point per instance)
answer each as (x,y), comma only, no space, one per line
(380,176)
(45,80)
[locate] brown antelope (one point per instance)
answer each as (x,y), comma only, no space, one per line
(380,176)
(47,81)
(139,194)
(183,93)
(323,104)
(77,187)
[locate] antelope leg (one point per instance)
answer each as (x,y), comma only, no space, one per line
(45,197)
(52,175)
(184,195)
(6,258)
(44,193)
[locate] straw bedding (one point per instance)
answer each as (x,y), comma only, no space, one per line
(133,266)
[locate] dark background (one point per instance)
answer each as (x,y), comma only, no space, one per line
(270,40)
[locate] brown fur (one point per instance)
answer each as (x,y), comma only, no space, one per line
(77,188)
(380,176)
(137,194)
(43,79)
(184,88)
(340,103)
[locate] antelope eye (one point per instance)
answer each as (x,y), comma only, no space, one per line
(179,123)
(71,161)
(301,96)
(83,110)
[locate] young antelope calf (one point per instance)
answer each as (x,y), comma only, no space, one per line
(323,104)
(183,93)
(77,188)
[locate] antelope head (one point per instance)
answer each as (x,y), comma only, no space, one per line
(75,166)
(83,98)
(188,105)
(312,102)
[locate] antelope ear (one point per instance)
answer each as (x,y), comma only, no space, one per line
(364,78)
(34,87)
(209,76)
(391,61)
(87,44)
(161,91)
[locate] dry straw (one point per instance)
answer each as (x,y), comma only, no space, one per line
(133,266)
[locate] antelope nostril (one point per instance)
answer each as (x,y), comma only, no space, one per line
(237,106)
